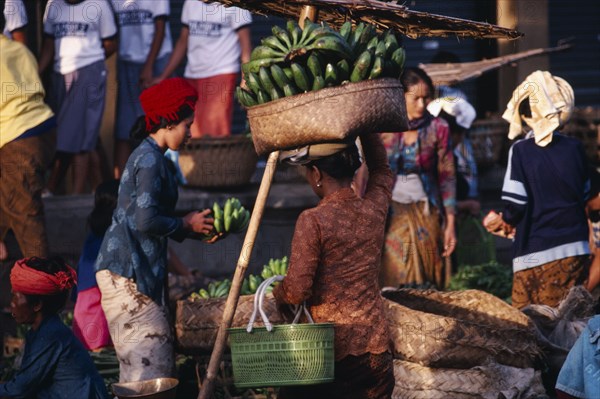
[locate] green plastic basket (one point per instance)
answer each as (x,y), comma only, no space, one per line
(290,354)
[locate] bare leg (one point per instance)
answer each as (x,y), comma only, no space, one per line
(62,161)
(594,278)
(81,168)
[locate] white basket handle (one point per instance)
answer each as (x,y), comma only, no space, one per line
(258,306)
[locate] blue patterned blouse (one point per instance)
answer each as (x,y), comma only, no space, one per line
(135,245)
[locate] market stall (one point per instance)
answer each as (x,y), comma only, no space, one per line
(290,94)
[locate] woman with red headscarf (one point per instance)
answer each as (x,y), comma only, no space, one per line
(55,364)
(132,262)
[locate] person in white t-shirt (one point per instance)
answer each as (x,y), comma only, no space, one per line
(215,39)
(145,46)
(78,36)
(15,18)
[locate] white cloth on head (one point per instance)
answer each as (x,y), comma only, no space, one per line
(458,107)
(551,100)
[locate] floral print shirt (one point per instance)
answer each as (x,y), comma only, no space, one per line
(135,245)
(335,259)
(434,161)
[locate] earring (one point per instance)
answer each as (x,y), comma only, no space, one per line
(318,184)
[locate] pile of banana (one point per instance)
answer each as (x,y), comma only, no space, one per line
(295,60)
(215,289)
(219,289)
(231,218)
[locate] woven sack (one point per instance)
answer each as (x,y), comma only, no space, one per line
(218,162)
(330,114)
(487,139)
(458,329)
(197,322)
(490,381)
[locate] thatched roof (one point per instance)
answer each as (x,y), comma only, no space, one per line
(453,73)
(383,15)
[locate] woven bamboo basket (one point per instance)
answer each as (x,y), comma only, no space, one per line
(458,329)
(218,162)
(487,138)
(330,114)
(491,380)
(197,322)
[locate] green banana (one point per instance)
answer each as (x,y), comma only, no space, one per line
(300,77)
(288,73)
(253,82)
(380,50)
(263,97)
(274,43)
(314,65)
(245,98)
(203,293)
(343,68)
(245,290)
(331,75)
(362,66)
(217,211)
(318,83)
(244,219)
(261,52)
(334,45)
(275,94)
(355,36)
(218,224)
(391,43)
(372,45)
(290,90)
(346,30)
(227,210)
(309,27)
(254,66)
(377,68)
(295,32)
(283,37)
(279,76)
(212,289)
(265,80)
(397,60)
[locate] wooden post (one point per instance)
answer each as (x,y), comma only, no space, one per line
(309,12)
(238,277)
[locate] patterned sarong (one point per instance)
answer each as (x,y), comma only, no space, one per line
(139,328)
(413,243)
(549,283)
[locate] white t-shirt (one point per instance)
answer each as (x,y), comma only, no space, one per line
(15,16)
(136,24)
(213,45)
(78,31)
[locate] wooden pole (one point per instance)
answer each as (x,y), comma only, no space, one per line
(309,12)
(238,277)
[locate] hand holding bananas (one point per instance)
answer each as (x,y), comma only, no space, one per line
(296,60)
(231,218)
(198,222)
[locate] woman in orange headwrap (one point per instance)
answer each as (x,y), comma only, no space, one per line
(55,364)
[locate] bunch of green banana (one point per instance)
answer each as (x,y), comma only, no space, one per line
(215,289)
(231,218)
(376,56)
(306,64)
(250,284)
(275,267)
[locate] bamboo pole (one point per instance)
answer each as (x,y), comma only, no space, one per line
(309,12)
(234,293)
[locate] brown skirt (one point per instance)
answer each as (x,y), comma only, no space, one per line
(413,247)
(366,376)
(549,283)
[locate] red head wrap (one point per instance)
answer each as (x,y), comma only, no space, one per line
(165,99)
(29,281)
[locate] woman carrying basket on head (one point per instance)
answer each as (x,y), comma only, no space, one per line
(334,266)
(132,263)
(421,236)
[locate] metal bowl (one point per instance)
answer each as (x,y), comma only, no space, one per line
(157,388)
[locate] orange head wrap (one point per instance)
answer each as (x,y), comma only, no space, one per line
(165,99)
(30,281)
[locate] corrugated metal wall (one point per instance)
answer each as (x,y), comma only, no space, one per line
(580,66)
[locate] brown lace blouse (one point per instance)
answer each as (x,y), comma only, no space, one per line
(334,263)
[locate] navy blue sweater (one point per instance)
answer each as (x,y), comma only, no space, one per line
(545,189)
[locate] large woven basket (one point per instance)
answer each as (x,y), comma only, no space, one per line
(458,329)
(218,162)
(491,380)
(487,138)
(330,114)
(197,322)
